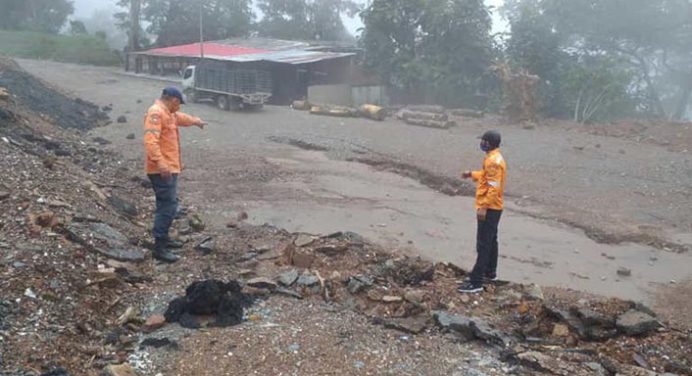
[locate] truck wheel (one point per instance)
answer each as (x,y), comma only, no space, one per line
(222,102)
(254,107)
(191,96)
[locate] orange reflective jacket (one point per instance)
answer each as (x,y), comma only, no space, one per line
(161,138)
(491,181)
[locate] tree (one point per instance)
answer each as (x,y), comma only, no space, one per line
(130,21)
(39,15)
(652,36)
(305,19)
(77,28)
(177,21)
(434,50)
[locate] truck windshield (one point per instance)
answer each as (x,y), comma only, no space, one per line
(188,73)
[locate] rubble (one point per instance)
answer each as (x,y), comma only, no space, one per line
(634,323)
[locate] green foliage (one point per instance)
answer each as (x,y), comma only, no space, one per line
(177,21)
(77,28)
(433,50)
(82,49)
(47,16)
(648,39)
(305,19)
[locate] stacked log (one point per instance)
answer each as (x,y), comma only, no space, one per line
(463,112)
(301,105)
(373,112)
(336,111)
(446,124)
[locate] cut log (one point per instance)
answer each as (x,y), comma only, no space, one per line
(426,108)
(431,123)
(373,112)
(406,114)
(337,111)
(463,112)
(301,105)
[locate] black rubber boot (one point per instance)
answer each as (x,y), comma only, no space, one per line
(162,253)
(174,244)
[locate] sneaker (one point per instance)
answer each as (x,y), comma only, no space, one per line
(491,278)
(469,287)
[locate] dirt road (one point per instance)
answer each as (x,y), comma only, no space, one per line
(563,180)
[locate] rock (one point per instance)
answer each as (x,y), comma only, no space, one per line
(624,272)
(560,330)
(247,256)
(308,280)
(535,292)
(302,258)
(288,278)
(159,343)
(122,119)
(287,292)
(196,223)
(131,314)
(242,216)
(4,195)
(207,246)
(59,204)
(103,239)
(392,299)
(55,372)
(590,317)
(359,283)
(262,283)
(546,364)
(375,295)
(233,224)
(458,324)
(304,240)
(101,141)
(119,370)
(153,323)
(413,325)
(332,249)
(635,323)
(46,219)
(123,206)
(130,136)
(210,297)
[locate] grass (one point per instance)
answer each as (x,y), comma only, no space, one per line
(80,49)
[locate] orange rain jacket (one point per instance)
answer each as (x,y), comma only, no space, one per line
(161,137)
(491,181)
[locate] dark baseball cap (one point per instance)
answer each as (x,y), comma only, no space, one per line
(173,91)
(493,138)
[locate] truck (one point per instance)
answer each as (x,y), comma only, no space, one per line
(229,88)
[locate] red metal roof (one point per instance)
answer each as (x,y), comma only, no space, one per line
(210,48)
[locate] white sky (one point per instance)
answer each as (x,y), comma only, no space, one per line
(85,8)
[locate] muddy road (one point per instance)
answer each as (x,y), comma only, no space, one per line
(567,187)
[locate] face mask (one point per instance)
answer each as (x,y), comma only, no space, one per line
(485,147)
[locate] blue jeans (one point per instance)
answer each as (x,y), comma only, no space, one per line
(166,204)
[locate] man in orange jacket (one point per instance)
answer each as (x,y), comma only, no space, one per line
(489,204)
(163,162)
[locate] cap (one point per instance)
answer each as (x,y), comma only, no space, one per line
(493,138)
(173,91)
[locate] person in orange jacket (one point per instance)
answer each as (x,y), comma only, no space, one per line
(489,205)
(163,163)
